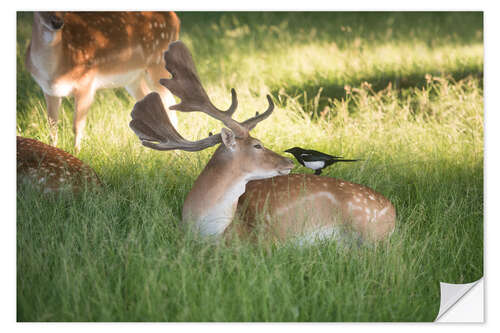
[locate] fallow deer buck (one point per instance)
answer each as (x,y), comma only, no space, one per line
(51,169)
(309,207)
(76,53)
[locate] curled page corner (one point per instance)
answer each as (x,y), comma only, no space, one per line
(451,293)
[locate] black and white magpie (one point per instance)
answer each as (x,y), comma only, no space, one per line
(315,160)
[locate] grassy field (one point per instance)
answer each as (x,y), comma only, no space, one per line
(401,91)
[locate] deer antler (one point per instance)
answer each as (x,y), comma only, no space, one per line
(249,124)
(150,121)
(186,85)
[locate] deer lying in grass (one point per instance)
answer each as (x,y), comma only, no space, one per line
(51,169)
(305,206)
(76,53)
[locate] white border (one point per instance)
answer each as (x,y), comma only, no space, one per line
(492,112)
(260,5)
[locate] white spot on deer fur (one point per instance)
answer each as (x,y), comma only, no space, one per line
(313,197)
(320,234)
(156,24)
(150,26)
(371,197)
(330,197)
(383,211)
(352,207)
(367,211)
(357,199)
(162,35)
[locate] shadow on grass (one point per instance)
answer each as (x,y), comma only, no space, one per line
(336,91)
(434,28)
(330,90)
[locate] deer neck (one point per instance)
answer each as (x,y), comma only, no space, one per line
(211,204)
(45,50)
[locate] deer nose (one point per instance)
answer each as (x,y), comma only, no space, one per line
(56,22)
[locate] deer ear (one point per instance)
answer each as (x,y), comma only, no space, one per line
(228,138)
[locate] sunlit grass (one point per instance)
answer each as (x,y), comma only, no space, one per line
(382,88)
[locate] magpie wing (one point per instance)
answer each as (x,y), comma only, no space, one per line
(323,157)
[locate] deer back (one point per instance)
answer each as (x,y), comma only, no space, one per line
(299,204)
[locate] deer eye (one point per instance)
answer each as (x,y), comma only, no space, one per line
(257,146)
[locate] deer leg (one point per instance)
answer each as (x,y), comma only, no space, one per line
(83,100)
(138,89)
(53,104)
(155,73)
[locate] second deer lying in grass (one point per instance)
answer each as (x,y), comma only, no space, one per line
(306,206)
(51,169)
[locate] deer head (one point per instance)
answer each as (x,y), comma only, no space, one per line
(51,20)
(49,25)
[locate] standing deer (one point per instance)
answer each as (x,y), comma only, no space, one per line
(51,169)
(310,207)
(76,53)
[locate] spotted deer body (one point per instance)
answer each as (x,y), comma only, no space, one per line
(315,207)
(77,53)
(51,169)
(246,182)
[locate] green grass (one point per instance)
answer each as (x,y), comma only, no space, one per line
(352,84)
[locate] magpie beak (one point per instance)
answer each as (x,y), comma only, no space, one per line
(315,160)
